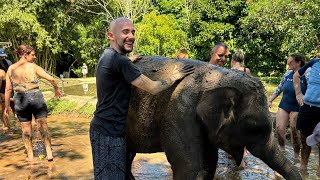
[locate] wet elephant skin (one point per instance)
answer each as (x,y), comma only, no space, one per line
(210,109)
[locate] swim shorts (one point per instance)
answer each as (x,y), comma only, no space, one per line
(28,103)
(109,156)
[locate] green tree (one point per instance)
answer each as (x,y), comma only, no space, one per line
(19,23)
(212,22)
(159,35)
(274,29)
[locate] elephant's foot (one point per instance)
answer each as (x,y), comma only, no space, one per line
(130,176)
(204,175)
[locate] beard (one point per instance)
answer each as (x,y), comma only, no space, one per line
(126,48)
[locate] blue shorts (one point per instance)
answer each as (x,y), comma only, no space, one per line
(109,156)
(308,118)
(28,103)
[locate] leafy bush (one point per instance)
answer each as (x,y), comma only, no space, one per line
(77,72)
(271,80)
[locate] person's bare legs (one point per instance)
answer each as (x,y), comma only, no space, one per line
(305,153)
(318,172)
(294,134)
(43,128)
(27,140)
(281,124)
(4,119)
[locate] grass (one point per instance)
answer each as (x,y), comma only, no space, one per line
(87,110)
(57,106)
(270,89)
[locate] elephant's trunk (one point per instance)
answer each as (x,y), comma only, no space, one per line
(277,161)
(283,166)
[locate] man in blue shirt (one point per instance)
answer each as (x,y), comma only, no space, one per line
(309,115)
(114,76)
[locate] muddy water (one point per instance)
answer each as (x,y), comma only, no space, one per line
(84,89)
(72,157)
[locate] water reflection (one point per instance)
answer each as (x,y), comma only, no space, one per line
(85,89)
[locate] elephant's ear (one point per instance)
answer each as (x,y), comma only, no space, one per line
(219,105)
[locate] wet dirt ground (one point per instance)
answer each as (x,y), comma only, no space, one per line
(72,157)
(72,153)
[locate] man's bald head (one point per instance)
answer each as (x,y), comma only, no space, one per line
(121,35)
(116,23)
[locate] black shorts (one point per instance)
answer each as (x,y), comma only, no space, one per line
(109,156)
(308,118)
(28,103)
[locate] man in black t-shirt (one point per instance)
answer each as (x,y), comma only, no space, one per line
(114,76)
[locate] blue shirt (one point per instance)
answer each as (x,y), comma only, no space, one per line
(289,101)
(312,96)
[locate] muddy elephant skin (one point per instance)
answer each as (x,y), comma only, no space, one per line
(210,109)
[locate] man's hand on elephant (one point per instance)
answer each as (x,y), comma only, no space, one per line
(300,98)
(180,73)
(135,58)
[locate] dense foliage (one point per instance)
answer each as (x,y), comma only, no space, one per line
(69,32)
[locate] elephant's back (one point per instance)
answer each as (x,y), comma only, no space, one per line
(147,112)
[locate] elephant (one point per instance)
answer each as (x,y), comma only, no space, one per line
(210,109)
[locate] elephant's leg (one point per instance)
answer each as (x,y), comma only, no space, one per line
(211,160)
(129,158)
(270,154)
(187,155)
(188,167)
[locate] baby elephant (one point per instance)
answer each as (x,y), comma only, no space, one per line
(210,109)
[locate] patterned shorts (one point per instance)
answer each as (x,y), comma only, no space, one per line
(109,156)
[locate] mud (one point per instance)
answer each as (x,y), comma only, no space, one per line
(72,157)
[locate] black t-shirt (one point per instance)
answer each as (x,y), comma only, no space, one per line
(114,75)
